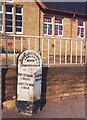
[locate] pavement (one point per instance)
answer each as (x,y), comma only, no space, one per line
(71,108)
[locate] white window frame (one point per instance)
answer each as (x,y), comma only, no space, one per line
(9,1)
(58,26)
(48,23)
(85,31)
(21,14)
(12,19)
(2,18)
(80,28)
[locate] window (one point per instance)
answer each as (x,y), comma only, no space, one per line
(1,18)
(58,26)
(9,18)
(19,13)
(47,25)
(80,28)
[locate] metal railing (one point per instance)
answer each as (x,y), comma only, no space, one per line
(53,50)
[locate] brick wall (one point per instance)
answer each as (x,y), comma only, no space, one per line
(67,27)
(58,82)
(8,83)
(64,81)
(31,19)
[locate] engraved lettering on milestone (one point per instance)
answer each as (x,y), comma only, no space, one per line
(30,59)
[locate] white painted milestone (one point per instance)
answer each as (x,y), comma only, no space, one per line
(29,76)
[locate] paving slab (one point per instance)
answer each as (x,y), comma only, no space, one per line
(72,108)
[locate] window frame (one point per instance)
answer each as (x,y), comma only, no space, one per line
(85,32)
(12,18)
(58,24)
(2,18)
(9,1)
(79,36)
(21,14)
(48,23)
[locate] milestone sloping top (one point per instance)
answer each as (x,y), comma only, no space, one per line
(67,7)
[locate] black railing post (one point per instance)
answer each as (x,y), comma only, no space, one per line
(6,51)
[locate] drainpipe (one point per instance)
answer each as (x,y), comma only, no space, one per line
(71,23)
(86,45)
(39,30)
(71,26)
(71,19)
(86,51)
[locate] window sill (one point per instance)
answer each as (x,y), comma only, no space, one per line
(19,33)
(80,37)
(9,32)
(9,1)
(48,35)
(1,32)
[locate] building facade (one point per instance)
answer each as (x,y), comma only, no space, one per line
(48,19)
(33,19)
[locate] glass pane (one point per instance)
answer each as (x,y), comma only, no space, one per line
(78,30)
(45,26)
(0,28)
(18,9)
(8,16)
(49,32)
(56,32)
(0,7)
(58,20)
(18,23)
(18,29)
(60,27)
(60,32)
(82,34)
(56,26)
(82,29)
(49,26)
(0,22)
(80,23)
(8,29)
(8,8)
(8,23)
(47,19)
(18,17)
(0,15)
